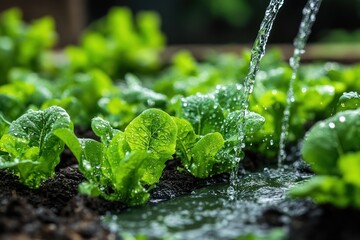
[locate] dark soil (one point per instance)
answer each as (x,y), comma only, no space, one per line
(57,211)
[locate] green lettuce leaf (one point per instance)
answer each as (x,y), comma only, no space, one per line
(348,101)
(231,125)
(134,92)
(103,129)
(325,189)
(92,159)
(203,155)
(4,125)
(31,145)
(200,155)
(329,139)
(129,180)
(230,97)
(203,112)
(116,151)
(186,139)
(349,166)
(154,131)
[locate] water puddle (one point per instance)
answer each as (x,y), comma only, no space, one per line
(210,213)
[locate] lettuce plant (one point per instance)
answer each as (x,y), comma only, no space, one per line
(124,166)
(212,133)
(330,139)
(332,149)
(28,147)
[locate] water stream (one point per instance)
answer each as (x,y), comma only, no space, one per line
(257,52)
(309,15)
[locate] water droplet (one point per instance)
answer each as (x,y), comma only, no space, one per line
(342,118)
(230,190)
(331,125)
(150,102)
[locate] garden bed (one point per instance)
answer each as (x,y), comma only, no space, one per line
(58,211)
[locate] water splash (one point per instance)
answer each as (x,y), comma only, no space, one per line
(257,52)
(208,213)
(309,15)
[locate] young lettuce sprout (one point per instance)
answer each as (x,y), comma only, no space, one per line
(209,133)
(124,166)
(28,147)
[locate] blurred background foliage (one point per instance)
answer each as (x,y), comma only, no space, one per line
(237,21)
(202,21)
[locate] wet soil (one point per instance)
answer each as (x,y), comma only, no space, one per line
(57,211)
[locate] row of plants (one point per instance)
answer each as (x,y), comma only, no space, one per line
(187,110)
